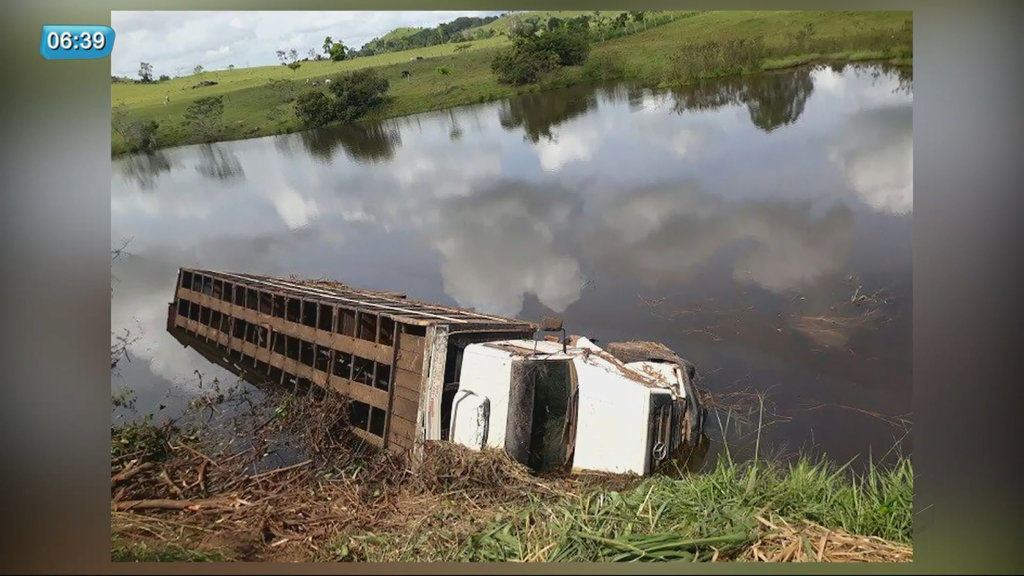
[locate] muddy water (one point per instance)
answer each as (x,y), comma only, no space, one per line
(759,226)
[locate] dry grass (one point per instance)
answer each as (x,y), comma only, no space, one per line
(834,331)
(807,541)
(199,492)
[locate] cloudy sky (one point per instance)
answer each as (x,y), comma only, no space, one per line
(175,42)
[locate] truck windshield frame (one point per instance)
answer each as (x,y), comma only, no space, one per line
(542,417)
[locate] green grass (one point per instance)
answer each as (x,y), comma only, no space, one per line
(482,506)
(259,101)
(123,549)
(502,24)
(399,33)
(661,518)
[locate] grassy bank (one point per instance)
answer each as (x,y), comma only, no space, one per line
(179,495)
(721,515)
(260,101)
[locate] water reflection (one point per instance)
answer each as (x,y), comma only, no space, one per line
(875,150)
(363,142)
(218,162)
(538,113)
(455,129)
(666,236)
(750,237)
(500,244)
(145,169)
(776,100)
(773,99)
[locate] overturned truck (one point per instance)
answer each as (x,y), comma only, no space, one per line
(417,372)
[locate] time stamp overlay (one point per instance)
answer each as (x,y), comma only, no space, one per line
(76,42)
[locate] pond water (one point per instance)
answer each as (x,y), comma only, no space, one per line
(759,226)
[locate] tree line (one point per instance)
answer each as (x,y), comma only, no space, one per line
(457,30)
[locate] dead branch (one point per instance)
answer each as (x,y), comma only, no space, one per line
(166,479)
(166,504)
(196,452)
(278,470)
(129,473)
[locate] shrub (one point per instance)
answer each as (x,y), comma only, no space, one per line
(137,135)
(354,95)
(203,116)
(314,108)
(533,54)
(357,93)
(571,47)
(518,67)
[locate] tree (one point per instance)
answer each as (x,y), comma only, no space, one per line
(327,45)
(164,77)
(312,54)
(198,70)
(203,116)
(146,71)
(289,59)
(337,52)
(231,66)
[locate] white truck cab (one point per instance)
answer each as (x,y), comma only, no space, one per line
(573,405)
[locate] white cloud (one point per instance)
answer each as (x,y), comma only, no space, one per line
(497,247)
(828,80)
(176,41)
(294,209)
(222,51)
(567,147)
(875,152)
(665,236)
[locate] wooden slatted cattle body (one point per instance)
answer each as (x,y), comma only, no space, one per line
(389,354)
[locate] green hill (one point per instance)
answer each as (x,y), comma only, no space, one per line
(260,101)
